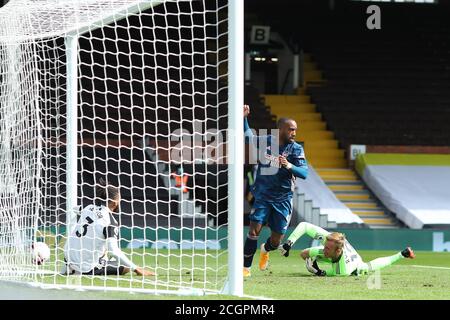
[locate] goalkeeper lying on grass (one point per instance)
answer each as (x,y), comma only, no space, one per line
(337,253)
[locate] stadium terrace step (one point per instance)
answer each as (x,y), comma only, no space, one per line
(316,83)
(361,205)
(286,99)
(367,213)
(312,75)
(380,221)
(320,146)
(325,143)
(301,91)
(350,197)
(317,135)
(305,116)
(324,160)
(323,153)
(336,172)
(343,183)
(346,188)
(285,110)
(327,163)
(360,192)
(343,178)
(310,125)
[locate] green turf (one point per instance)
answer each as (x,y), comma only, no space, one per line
(287,278)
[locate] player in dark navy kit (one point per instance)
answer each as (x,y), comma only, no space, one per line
(280,161)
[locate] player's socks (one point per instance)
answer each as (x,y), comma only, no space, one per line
(250,246)
(380,263)
(268,246)
(264,254)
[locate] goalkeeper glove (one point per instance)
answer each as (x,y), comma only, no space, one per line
(284,249)
(314,268)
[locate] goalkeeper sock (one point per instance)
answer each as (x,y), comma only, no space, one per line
(308,228)
(268,246)
(251,243)
(380,263)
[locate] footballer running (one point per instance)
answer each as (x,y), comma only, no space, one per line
(283,160)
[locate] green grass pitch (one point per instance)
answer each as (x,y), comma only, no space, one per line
(287,278)
(426,277)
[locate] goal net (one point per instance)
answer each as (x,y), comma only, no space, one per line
(135,93)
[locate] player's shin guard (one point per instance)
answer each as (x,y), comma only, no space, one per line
(251,243)
(268,246)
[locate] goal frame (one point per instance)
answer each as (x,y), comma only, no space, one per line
(235,148)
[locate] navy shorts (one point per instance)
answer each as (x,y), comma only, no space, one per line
(276,214)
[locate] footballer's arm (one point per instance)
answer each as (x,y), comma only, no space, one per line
(305,254)
(114,250)
(298,169)
(312,267)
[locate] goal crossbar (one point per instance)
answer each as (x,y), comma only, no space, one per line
(81,21)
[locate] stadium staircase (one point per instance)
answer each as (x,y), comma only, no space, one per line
(323,152)
(351,190)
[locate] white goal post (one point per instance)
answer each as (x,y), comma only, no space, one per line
(146,94)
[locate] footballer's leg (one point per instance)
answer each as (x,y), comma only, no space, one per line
(383,262)
(278,219)
(250,246)
(272,243)
(257,218)
(110,268)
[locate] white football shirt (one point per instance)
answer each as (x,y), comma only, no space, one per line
(352,258)
(86,246)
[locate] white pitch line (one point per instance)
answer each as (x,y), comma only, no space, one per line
(430,267)
(256,297)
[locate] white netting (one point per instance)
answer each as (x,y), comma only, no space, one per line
(152,110)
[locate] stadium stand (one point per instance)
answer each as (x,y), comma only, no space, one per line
(260,116)
(316,190)
(414,187)
(372,87)
(385,87)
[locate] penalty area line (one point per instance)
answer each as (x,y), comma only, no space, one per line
(429,267)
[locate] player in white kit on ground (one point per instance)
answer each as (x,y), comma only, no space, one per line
(95,235)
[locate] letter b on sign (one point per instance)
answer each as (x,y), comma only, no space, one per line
(260,35)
